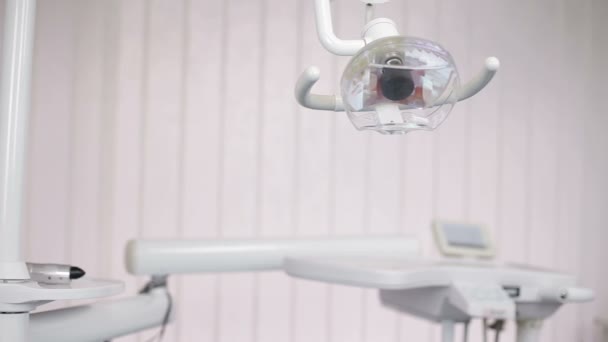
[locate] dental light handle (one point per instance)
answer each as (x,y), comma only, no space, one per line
(304,85)
(477,83)
(529,330)
(310,76)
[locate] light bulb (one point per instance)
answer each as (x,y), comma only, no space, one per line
(398,84)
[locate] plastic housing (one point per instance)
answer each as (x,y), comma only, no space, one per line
(399,84)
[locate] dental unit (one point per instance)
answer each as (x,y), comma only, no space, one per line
(393,84)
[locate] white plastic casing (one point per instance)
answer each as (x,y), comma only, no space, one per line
(452,290)
(100,321)
(157,257)
(399,84)
(14,110)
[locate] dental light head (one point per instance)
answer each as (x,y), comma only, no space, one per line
(398,84)
(393,84)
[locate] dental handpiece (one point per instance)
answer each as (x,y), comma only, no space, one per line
(54,274)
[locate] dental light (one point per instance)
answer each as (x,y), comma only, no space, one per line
(393,84)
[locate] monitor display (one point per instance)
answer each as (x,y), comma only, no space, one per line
(463,239)
(464,235)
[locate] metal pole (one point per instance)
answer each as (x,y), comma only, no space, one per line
(13,327)
(14,108)
(529,330)
(447,331)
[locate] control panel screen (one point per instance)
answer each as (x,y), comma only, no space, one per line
(463,239)
(464,235)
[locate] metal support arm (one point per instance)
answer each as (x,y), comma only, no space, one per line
(328,38)
(101,321)
(150,257)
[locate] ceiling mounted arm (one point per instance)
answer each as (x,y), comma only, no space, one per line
(479,82)
(328,38)
(304,85)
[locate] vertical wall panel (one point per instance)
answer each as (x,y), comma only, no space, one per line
(199,186)
(2,8)
(570,163)
(450,143)
(514,122)
(594,232)
(483,149)
(542,117)
(127,127)
(108,105)
(84,236)
(162,118)
(50,134)
(240,114)
(162,121)
(127,136)
(544,156)
(276,157)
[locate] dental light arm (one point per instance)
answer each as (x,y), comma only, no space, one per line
(311,75)
(157,257)
(328,38)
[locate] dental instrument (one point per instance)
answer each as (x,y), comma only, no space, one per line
(54,273)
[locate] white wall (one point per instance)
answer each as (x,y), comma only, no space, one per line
(177,119)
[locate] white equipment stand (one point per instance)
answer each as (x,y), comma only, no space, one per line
(18,295)
(451,292)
